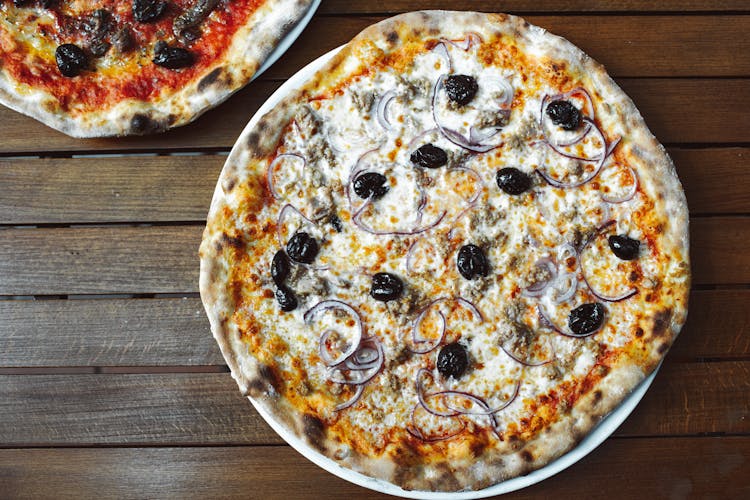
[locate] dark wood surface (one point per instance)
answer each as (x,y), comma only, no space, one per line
(110,382)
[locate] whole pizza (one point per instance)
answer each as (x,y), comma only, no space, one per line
(119,67)
(444,259)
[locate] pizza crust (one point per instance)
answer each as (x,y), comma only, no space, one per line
(507,459)
(250,47)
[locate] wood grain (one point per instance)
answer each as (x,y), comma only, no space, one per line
(207,408)
(628,46)
(133,188)
(178,188)
(175,332)
(145,259)
(117,332)
(715,467)
(677,111)
(163,259)
(512,6)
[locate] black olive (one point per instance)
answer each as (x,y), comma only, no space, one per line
(145,11)
(279,267)
(385,287)
(429,156)
(461,89)
(371,185)
(97,23)
(286,299)
(99,48)
(512,181)
(336,223)
(71,59)
(563,113)
(625,248)
(172,57)
(453,360)
(471,262)
(586,319)
(302,248)
(122,40)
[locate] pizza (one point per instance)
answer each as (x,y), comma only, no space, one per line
(121,67)
(449,254)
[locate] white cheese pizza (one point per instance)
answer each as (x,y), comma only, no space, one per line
(449,254)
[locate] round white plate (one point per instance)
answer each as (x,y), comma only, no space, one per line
(600,433)
(288,40)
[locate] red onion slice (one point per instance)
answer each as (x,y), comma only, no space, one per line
(381,112)
(441,50)
(476,176)
(272,167)
(486,410)
(468,41)
(599,164)
(566,251)
(280,221)
(569,289)
(356,218)
(423,397)
(540,287)
(357,394)
(450,134)
(601,296)
(335,304)
(525,363)
(413,429)
(416,339)
(629,195)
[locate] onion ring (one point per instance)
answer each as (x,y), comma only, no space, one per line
(336,304)
(272,166)
(629,195)
(607,298)
(381,112)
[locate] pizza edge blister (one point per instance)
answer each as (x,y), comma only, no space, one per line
(249,48)
(506,460)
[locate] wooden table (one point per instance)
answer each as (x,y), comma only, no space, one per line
(110,381)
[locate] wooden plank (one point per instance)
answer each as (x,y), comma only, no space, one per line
(654,45)
(146,259)
(715,180)
(715,467)
(177,408)
(178,188)
(718,326)
(701,110)
(207,408)
(718,254)
(136,188)
(335,7)
(175,332)
(156,259)
(118,332)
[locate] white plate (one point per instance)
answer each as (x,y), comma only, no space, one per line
(600,433)
(288,40)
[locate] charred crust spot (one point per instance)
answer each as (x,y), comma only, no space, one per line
(253,140)
(639,332)
(210,79)
(661,322)
(142,124)
(232,241)
(230,184)
(392,37)
(268,376)
(315,430)
(663,348)
(597,397)
(527,456)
